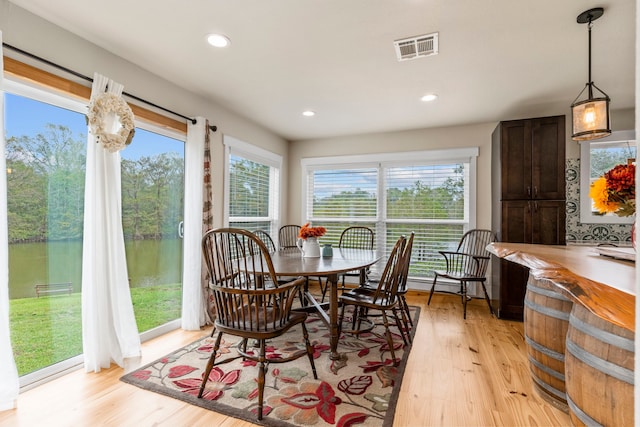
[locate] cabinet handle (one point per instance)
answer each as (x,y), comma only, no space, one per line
(528,191)
(535,191)
(535,207)
(528,207)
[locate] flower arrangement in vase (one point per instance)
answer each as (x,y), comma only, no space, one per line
(308,240)
(306,231)
(615,192)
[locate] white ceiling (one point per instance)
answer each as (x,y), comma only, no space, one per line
(498,60)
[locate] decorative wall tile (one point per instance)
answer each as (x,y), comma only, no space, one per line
(578,232)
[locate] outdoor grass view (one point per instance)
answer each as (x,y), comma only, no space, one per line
(46,149)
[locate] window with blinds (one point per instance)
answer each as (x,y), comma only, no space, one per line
(253,180)
(343,197)
(395,196)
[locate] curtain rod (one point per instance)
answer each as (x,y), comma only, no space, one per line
(89,79)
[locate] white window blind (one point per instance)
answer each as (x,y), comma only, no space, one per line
(433,198)
(253,187)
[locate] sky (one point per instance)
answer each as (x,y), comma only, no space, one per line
(24,116)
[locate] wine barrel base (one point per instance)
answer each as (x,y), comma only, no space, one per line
(552,399)
(599,370)
(546,320)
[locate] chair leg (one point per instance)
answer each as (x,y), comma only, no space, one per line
(262,372)
(389,337)
(210,364)
(433,286)
(323,288)
(486,297)
(463,285)
(304,292)
(358,314)
(340,320)
(406,316)
(305,334)
(405,307)
(399,324)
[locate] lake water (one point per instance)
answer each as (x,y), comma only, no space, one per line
(149,263)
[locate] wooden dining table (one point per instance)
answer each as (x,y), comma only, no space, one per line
(291,263)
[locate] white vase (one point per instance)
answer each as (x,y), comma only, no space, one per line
(309,247)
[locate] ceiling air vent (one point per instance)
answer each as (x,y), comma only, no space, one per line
(416,47)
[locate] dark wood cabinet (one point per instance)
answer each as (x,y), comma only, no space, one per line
(532,158)
(528,199)
(533,221)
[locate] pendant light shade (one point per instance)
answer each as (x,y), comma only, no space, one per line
(591,118)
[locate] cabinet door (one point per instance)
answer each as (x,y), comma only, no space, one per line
(515,159)
(516,221)
(548,219)
(548,158)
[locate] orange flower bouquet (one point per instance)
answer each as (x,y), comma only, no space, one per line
(615,192)
(306,231)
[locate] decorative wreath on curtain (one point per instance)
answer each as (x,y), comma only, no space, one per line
(103,107)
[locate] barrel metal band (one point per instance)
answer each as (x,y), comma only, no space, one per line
(604,366)
(544,350)
(547,292)
(548,370)
(582,416)
(604,336)
(560,394)
(556,314)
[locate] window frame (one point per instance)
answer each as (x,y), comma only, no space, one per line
(586,214)
(383,161)
(236,147)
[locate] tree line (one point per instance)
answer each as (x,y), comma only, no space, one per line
(45,189)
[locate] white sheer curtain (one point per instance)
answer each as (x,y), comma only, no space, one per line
(109,331)
(193,315)
(9,385)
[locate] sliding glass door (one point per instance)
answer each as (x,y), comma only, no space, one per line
(152,212)
(46,148)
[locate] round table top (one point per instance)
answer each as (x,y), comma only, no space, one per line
(291,262)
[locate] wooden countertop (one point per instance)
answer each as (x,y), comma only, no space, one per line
(605,286)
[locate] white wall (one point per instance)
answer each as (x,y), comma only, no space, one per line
(410,140)
(39,37)
(424,139)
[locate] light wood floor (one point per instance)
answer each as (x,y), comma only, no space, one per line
(460,373)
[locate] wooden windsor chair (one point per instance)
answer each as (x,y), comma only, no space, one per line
(384,299)
(467,264)
(250,303)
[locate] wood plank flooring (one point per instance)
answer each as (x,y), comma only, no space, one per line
(470,372)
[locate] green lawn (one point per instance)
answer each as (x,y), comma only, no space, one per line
(48,330)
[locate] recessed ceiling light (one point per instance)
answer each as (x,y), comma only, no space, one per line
(218,40)
(429,97)
(309,113)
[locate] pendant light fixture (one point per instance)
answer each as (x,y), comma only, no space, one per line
(591,118)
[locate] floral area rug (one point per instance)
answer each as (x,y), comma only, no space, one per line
(360,390)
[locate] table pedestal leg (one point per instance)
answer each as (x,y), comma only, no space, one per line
(332,282)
